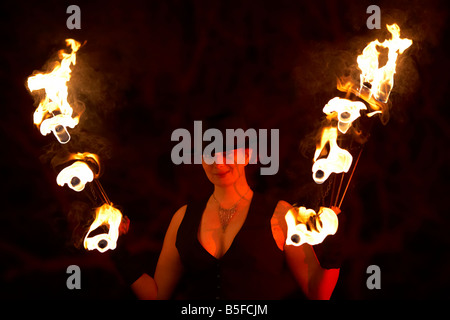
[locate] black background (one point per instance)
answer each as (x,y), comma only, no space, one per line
(150,67)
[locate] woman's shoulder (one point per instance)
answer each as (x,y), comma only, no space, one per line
(178,217)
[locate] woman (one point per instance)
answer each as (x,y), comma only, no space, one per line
(232,246)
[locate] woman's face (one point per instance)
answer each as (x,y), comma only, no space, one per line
(226,168)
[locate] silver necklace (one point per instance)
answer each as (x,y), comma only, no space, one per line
(225,215)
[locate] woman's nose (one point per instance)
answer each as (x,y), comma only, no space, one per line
(219,160)
(219,165)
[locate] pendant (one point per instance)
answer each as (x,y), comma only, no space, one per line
(225,216)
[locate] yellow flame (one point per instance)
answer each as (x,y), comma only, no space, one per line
(75,176)
(105,215)
(338,159)
(54,112)
(305,226)
(381,80)
(87,157)
(349,86)
(79,172)
(84,155)
(376,83)
(347,111)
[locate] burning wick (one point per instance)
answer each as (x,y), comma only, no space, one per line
(105,215)
(85,169)
(54,113)
(379,81)
(347,111)
(57,125)
(338,160)
(305,226)
(75,176)
(61,134)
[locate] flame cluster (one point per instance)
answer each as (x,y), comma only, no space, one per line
(55,114)
(381,79)
(104,215)
(374,88)
(305,226)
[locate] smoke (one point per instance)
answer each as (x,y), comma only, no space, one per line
(79,217)
(100,81)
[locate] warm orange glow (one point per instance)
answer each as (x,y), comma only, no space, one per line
(381,80)
(105,215)
(305,226)
(84,155)
(348,86)
(337,161)
(345,111)
(79,172)
(376,83)
(76,176)
(87,157)
(54,112)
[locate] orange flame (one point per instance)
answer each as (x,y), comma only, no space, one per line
(349,86)
(79,173)
(338,160)
(347,111)
(105,215)
(305,226)
(376,83)
(54,112)
(76,176)
(381,80)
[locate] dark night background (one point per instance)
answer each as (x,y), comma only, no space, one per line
(150,67)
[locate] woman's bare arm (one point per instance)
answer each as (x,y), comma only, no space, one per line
(317,283)
(168,269)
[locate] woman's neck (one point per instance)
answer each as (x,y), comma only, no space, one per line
(229,195)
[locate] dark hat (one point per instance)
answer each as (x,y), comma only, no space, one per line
(231,128)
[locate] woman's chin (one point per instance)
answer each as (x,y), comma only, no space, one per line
(222,180)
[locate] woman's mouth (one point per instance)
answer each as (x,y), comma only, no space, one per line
(221,174)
